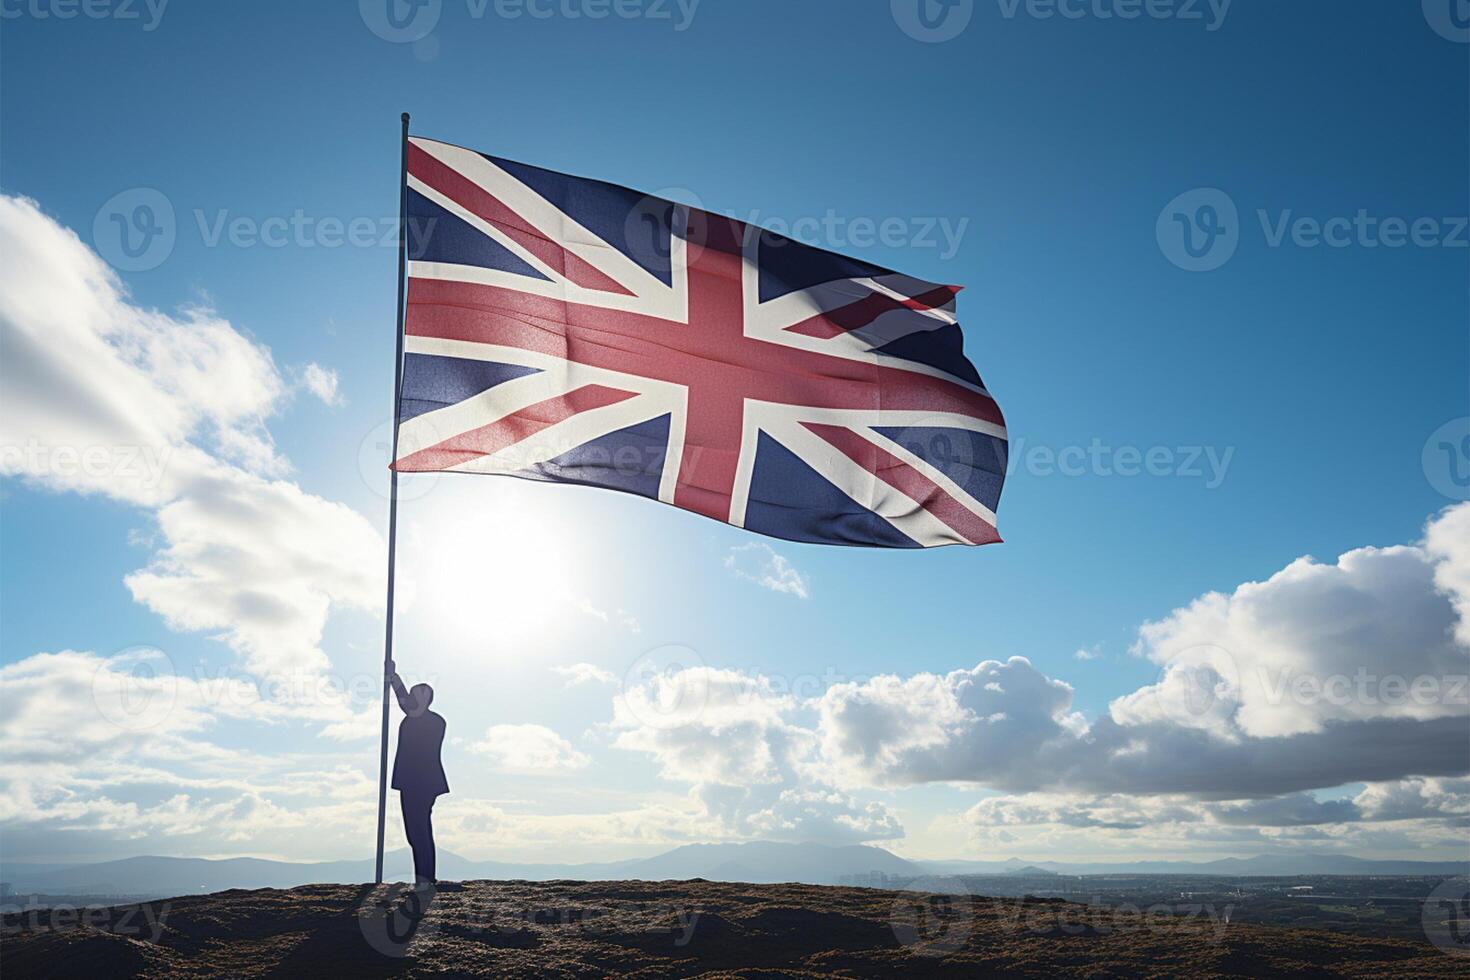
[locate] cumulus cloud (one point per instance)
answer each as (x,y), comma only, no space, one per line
(1321,643)
(751,767)
(760,563)
(101,396)
(528,749)
(1319,676)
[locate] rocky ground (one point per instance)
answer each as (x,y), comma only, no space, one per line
(668,929)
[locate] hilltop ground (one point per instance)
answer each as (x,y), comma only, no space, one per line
(668,929)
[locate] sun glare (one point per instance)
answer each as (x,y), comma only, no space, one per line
(487,558)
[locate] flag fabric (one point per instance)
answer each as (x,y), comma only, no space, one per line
(570,330)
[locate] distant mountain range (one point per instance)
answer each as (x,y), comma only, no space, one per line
(760,862)
(1262,864)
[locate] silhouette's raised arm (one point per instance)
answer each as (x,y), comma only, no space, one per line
(404,701)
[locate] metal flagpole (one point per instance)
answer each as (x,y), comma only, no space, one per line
(393,495)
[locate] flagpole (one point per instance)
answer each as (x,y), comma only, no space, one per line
(393,496)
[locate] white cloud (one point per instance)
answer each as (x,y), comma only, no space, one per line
(760,563)
(1373,634)
(1203,747)
(1088,653)
(1318,643)
(321,382)
(99,395)
(584,673)
(528,749)
(751,768)
(1447,543)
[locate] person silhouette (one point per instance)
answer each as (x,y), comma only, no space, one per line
(418,772)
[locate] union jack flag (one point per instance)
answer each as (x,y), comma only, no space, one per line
(570,330)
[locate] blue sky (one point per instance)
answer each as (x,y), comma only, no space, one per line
(1289,391)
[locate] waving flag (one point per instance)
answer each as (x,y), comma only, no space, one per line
(570,330)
